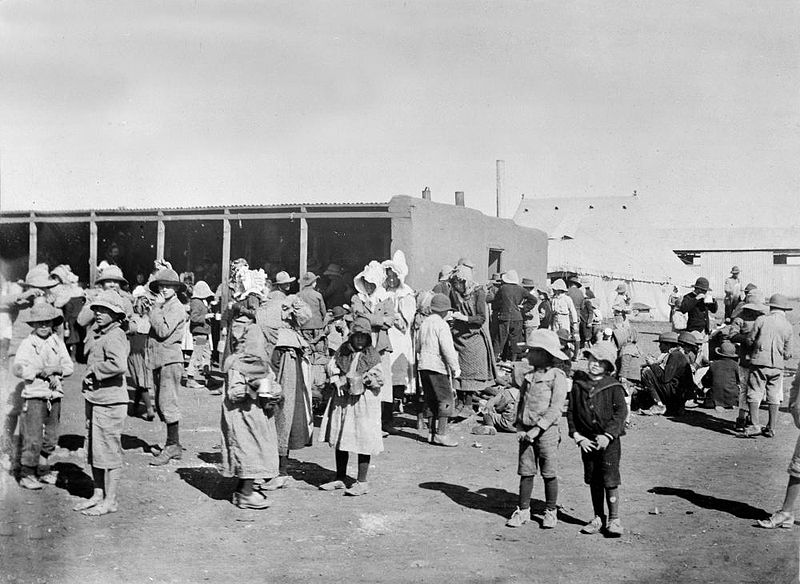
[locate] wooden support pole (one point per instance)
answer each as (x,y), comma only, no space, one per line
(226,260)
(32,241)
(303,243)
(92,250)
(160,237)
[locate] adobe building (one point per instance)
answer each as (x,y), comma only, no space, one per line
(291,237)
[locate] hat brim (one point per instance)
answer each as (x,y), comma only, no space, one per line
(156,283)
(668,341)
(557,353)
(783,307)
(289,281)
(756,307)
(591,353)
(110,279)
(721,354)
(113,308)
(42,284)
(441,309)
(55,320)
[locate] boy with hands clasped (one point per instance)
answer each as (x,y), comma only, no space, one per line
(542,397)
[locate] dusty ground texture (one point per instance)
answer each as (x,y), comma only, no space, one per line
(690,497)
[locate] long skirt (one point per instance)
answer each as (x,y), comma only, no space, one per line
(402,359)
(386,393)
(353,423)
(293,418)
(249,441)
(139,361)
(474,358)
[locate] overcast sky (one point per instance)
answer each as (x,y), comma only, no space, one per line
(139,103)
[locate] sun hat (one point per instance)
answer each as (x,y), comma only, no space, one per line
(622,288)
(41,312)
(779,302)
(62,272)
(559,286)
(284,278)
(735,270)
(338,312)
(111,274)
(166,277)
(687,338)
(726,349)
(440,303)
(202,290)
(333,270)
(109,299)
(604,352)
(362,325)
(668,338)
(701,283)
(546,340)
(39,277)
(563,335)
(444,273)
(397,264)
(308,278)
(510,277)
(528,283)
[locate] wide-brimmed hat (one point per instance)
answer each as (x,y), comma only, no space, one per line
(440,303)
(308,278)
(622,288)
(62,272)
(284,278)
(41,312)
(559,286)
(604,352)
(528,283)
(563,335)
(39,277)
(166,277)
(362,325)
(202,290)
(687,338)
(338,312)
(726,349)
(444,273)
(546,340)
(735,270)
(333,270)
(668,338)
(111,274)
(111,300)
(779,302)
(510,277)
(702,284)
(758,306)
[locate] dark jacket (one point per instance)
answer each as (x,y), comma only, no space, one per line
(578,297)
(596,407)
(507,302)
(336,292)
(545,314)
(198,325)
(697,312)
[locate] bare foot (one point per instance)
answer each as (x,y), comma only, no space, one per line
(88,503)
(101,509)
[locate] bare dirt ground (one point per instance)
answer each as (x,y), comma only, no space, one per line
(434,514)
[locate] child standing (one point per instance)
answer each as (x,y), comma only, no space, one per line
(106,394)
(596,417)
(437,354)
(200,327)
(42,361)
(140,358)
(352,422)
(542,398)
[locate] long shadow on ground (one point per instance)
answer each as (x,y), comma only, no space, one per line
(72,479)
(735,508)
(208,481)
(701,419)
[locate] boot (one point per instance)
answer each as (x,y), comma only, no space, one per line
(169,452)
(148,404)
(441,438)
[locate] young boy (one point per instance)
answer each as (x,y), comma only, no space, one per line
(106,392)
(596,418)
(200,327)
(542,397)
(42,361)
(436,355)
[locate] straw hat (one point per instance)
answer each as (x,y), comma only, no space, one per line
(39,277)
(668,338)
(440,303)
(284,278)
(779,302)
(110,300)
(112,274)
(726,349)
(547,340)
(559,286)
(604,352)
(510,277)
(41,312)
(202,290)
(333,270)
(687,338)
(528,283)
(166,277)
(307,279)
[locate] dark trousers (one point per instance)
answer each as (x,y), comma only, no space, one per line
(509,334)
(39,431)
(673,397)
(438,394)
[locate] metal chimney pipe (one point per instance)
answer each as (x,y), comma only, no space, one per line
(459,198)
(501,178)
(426,194)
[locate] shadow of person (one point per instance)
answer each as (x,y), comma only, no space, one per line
(735,508)
(210,457)
(701,419)
(71,442)
(133,442)
(208,481)
(72,479)
(497,501)
(310,473)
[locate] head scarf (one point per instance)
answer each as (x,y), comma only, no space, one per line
(373,273)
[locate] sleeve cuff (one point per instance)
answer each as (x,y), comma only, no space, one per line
(609,436)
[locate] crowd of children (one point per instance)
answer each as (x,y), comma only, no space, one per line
(284,355)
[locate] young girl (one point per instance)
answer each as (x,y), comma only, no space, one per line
(200,328)
(596,417)
(140,359)
(249,438)
(352,422)
(542,398)
(42,361)
(106,394)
